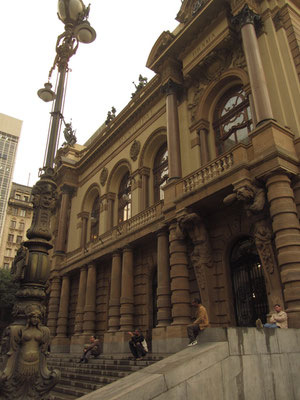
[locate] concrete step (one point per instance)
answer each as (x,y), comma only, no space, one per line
(78,379)
(61,396)
(70,390)
(82,382)
(91,375)
(87,368)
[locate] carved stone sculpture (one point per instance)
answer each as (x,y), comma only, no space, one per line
(69,135)
(24,374)
(142,83)
(25,349)
(201,256)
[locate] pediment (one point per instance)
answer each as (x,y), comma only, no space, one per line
(160,45)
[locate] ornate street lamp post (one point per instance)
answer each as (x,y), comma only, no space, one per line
(26,341)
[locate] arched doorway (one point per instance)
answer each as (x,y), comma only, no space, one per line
(248,283)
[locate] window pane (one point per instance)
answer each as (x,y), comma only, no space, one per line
(232,119)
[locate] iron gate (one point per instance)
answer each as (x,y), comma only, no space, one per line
(249,289)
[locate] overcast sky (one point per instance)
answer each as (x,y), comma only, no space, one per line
(102,72)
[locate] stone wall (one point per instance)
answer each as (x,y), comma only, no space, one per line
(247,364)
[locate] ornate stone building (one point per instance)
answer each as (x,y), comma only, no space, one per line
(192,190)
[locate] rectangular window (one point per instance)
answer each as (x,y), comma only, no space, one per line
(26,198)
(21,226)
(6,266)
(8,252)
(22,213)
(13,224)
(17,196)
(10,238)
(15,211)
(19,239)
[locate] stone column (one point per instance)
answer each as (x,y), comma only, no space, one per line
(296,189)
(174,156)
(89,316)
(80,301)
(126,320)
(110,208)
(163,279)
(286,227)
(180,297)
(53,307)
(261,99)
(84,220)
(144,198)
(60,241)
(115,293)
(62,323)
(204,150)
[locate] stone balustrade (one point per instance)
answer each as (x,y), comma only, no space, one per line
(208,173)
(144,217)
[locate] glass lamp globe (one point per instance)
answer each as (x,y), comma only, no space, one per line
(46,94)
(85,33)
(69,10)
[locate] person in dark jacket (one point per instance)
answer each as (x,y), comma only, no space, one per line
(135,344)
(94,349)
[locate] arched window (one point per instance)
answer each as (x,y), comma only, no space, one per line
(248,283)
(160,172)
(95,219)
(232,119)
(124,199)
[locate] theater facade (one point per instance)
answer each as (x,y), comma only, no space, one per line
(192,190)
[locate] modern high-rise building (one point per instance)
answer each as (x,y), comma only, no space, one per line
(17,220)
(10,130)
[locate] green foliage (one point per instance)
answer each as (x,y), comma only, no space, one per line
(8,289)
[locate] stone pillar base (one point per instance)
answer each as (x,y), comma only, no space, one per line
(169,339)
(116,343)
(60,345)
(78,342)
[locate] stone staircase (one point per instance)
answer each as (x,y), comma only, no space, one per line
(80,379)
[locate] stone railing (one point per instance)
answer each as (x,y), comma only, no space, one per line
(144,217)
(207,173)
(139,220)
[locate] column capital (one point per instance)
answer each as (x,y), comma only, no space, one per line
(246,16)
(128,248)
(171,87)
(83,215)
(91,265)
(145,171)
(67,189)
(171,69)
(162,230)
(117,253)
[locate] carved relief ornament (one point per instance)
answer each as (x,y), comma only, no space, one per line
(135,149)
(103,176)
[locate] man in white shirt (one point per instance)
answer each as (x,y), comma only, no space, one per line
(277,320)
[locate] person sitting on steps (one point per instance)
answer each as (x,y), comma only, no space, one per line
(278,319)
(136,344)
(201,322)
(94,349)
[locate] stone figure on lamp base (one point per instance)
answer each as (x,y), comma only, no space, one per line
(25,348)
